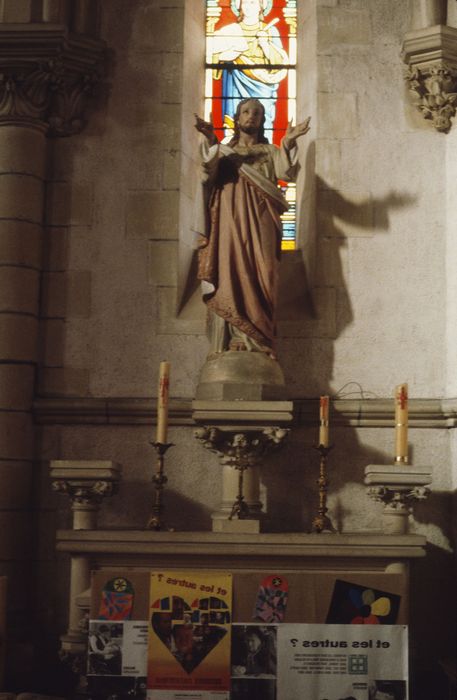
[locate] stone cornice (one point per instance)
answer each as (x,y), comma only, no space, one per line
(364,413)
(46,75)
(437,43)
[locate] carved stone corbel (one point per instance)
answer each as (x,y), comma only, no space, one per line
(431,56)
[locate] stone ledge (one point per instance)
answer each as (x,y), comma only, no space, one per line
(144,547)
(355,413)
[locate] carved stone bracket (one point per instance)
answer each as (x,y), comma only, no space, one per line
(398,489)
(47,76)
(241,449)
(431,56)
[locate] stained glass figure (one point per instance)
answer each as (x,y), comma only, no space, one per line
(251,51)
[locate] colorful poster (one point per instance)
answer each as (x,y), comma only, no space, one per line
(352,604)
(116,600)
(189,635)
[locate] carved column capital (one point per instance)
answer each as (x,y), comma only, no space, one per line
(83,493)
(86,483)
(47,76)
(398,489)
(433,89)
(431,75)
(396,499)
(239,448)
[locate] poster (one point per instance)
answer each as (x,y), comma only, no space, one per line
(342,662)
(189,636)
(353,604)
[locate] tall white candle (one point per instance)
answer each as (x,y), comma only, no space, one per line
(162,402)
(324,406)
(401,423)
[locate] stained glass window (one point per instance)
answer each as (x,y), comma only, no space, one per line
(251,51)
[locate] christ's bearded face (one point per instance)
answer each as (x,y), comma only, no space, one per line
(251,117)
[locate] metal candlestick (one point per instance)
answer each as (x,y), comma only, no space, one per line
(321,522)
(156,522)
(240,508)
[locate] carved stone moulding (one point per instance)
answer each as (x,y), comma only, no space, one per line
(47,75)
(398,488)
(431,75)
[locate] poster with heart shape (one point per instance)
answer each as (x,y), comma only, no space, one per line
(189,634)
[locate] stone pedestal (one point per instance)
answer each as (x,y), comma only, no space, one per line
(242,434)
(241,375)
(397,487)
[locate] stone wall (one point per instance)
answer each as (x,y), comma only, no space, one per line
(377,309)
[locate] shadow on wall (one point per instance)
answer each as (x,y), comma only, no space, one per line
(317,315)
(290,481)
(133,508)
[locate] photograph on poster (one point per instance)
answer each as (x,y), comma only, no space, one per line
(117,648)
(189,636)
(253,651)
(104,648)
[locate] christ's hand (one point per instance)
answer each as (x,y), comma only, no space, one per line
(206,128)
(294,132)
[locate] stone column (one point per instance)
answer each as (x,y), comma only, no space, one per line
(86,483)
(426,13)
(46,72)
(22,172)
